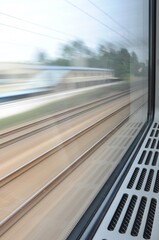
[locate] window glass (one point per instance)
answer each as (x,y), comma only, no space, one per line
(73,97)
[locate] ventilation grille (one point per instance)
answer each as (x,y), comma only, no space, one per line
(128,215)
(149,158)
(117,213)
(139,216)
(145,179)
(134,212)
(153,140)
(150,219)
(137,219)
(133,178)
(156,187)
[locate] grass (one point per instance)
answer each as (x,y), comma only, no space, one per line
(57,106)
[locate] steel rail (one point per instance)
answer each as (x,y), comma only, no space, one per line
(31,163)
(42,192)
(66,117)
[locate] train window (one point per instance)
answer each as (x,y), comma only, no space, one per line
(74,97)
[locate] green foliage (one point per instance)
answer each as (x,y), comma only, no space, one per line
(41,57)
(122,66)
(60,62)
(75,48)
(107,55)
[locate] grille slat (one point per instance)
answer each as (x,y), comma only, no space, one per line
(153,143)
(142,157)
(152,133)
(139,216)
(117,213)
(154,162)
(148,143)
(149,180)
(155,125)
(156,134)
(156,187)
(141,179)
(133,178)
(128,215)
(150,219)
(148,158)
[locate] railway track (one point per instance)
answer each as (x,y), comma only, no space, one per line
(18,154)
(23,163)
(22,132)
(116,120)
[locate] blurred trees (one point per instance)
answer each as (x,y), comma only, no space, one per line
(76,53)
(122,66)
(41,57)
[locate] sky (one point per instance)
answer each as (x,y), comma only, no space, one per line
(30,26)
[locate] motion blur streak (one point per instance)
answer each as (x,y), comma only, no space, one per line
(73,97)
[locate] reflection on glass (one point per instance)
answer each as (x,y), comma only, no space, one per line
(73,76)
